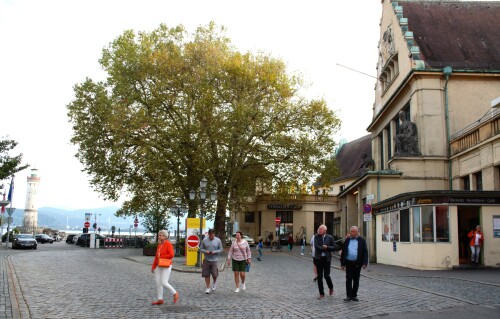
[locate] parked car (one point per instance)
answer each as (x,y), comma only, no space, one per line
(69,239)
(249,239)
(43,238)
(84,240)
(24,241)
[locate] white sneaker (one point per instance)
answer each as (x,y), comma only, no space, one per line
(214,286)
(243,286)
(237,290)
(207,291)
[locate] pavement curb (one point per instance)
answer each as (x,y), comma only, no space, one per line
(12,279)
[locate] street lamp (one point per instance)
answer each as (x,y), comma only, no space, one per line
(203,195)
(95,229)
(177,210)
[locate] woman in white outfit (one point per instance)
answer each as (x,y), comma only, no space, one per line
(162,274)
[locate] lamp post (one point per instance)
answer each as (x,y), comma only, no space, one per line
(203,195)
(95,228)
(177,210)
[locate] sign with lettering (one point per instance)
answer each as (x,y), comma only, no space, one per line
(496,226)
(284,206)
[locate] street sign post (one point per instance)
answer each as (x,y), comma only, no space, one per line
(193,241)
(367,208)
(10,210)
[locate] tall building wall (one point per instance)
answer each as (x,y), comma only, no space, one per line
(30,218)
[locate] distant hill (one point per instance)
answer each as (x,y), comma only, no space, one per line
(57,218)
(60,219)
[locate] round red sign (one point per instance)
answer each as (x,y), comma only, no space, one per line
(86,224)
(367,208)
(277,219)
(193,241)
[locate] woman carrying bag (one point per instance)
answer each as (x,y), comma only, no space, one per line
(240,256)
(162,266)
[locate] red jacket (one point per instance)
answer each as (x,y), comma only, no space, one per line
(472,236)
(164,250)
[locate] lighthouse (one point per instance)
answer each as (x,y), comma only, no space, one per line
(30,218)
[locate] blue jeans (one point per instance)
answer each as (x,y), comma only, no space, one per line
(260,252)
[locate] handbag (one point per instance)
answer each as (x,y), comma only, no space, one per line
(163,262)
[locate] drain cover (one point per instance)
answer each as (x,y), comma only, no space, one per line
(179,309)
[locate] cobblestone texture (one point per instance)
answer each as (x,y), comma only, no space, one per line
(65,281)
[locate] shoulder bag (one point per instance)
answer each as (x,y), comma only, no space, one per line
(163,262)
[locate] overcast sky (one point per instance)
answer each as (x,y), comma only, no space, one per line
(48,46)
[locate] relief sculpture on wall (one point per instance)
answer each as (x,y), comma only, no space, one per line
(406,137)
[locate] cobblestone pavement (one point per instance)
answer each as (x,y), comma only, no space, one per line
(64,281)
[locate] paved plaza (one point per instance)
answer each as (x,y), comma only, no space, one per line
(66,281)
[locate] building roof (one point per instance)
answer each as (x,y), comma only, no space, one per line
(350,157)
(460,34)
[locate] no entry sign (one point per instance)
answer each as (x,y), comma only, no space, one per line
(193,241)
(86,224)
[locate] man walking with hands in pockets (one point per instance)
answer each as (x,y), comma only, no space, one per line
(211,246)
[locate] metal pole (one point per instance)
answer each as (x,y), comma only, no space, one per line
(177,252)
(95,229)
(201,232)
(198,256)
(8,236)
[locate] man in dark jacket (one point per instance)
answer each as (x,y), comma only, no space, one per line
(324,245)
(354,257)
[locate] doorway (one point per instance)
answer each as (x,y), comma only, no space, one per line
(468,219)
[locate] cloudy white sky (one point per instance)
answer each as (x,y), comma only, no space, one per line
(48,46)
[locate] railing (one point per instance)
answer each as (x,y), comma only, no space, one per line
(477,132)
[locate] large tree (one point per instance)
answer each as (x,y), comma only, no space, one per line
(9,165)
(179,107)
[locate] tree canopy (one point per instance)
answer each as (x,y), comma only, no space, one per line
(176,107)
(9,165)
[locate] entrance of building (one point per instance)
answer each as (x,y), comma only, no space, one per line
(468,219)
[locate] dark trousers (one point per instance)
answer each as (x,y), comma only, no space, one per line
(352,273)
(323,267)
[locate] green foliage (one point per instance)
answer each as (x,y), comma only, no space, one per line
(12,233)
(177,107)
(152,209)
(329,172)
(151,245)
(9,165)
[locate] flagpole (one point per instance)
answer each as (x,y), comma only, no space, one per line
(3,209)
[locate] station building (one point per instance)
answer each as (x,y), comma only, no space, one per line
(429,170)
